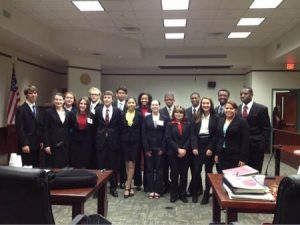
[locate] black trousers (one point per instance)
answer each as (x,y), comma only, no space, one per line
(107,158)
(198,162)
(138,169)
(122,169)
(256,157)
(154,172)
(179,171)
(31,159)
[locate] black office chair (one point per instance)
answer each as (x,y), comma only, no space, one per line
(287,209)
(25,198)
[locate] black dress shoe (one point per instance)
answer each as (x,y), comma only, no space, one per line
(195,198)
(205,198)
(184,199)
(188,194)
(114,193)
(138,188)
(122,185)
(173,199)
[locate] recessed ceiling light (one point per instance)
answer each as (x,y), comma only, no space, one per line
(174,35)
(174,22)
(250,21)
(88,5)
(265,4)
(175,4)
(239,34)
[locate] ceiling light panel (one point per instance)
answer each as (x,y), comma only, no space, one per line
(88,6)
(175,4)
(265,4)
(174,22)
(250,21)
(174,35)
(239,34)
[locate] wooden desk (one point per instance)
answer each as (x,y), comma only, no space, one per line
(76,197)
(285,154)
(233,207)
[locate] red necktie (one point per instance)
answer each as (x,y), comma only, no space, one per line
(245,113)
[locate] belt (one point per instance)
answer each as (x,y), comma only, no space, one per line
(204,136)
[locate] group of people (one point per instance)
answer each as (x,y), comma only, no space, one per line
(99,133)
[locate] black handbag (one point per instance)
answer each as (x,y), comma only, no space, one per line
(71,178)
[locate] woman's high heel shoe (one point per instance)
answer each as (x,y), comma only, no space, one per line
(131,192)
(126,193)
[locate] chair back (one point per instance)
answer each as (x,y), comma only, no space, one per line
(288,201)
(24,196)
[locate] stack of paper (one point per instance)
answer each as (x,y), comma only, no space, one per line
(264,197)
(240,171)
(243,185)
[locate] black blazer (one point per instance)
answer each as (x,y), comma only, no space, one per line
(259,124)
(132,133)
(164,111)
(217,111)
(175,140)
(107,132)
(154,137)
(236,138)
(212,127)
(85,134)
(189,114)
(115,103)
(29,127)
(56,132)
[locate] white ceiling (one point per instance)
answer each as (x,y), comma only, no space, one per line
(208,22)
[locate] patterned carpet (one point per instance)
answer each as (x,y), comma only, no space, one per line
(141,210)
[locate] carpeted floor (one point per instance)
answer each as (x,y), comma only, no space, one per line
(141,210)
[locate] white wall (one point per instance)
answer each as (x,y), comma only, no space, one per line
(181,86)
(88,66)
(264,82)
(46,81)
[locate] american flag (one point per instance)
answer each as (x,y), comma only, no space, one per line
(14,98)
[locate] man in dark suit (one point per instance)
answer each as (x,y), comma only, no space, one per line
(167,111)
(260,128)
(107,122)
(223,95)
(28,128)
(121,94)
(191,114)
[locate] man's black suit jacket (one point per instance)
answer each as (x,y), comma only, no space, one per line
(110,132)
(29,127)
(259,125)
(189,114)
(236,138)
(164,111)
(217,111)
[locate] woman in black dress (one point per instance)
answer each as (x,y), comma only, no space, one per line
(56,138)
(81,136)
(130,141)
(232,146)
(178,135)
